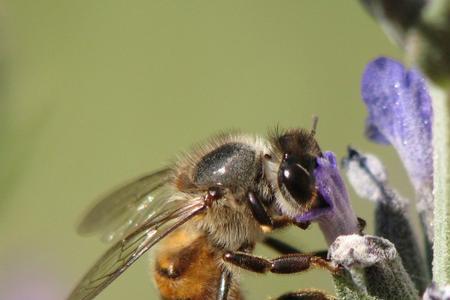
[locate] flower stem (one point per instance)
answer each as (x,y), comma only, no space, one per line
(441,166)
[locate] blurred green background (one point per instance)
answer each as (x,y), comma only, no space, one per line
(94,93)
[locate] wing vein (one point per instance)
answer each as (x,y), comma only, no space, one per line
(126,251)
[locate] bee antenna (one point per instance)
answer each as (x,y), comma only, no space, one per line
(315,120)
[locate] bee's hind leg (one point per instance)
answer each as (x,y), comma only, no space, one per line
(280,246)
(285,248)
(306,294)
(286,264)
(267,222)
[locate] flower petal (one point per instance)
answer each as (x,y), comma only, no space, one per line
(400,113)
(338,217)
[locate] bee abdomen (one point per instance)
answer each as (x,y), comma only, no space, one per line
(169,271)
(187,268)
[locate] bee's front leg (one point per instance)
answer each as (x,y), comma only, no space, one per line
(258,211)
(267,222)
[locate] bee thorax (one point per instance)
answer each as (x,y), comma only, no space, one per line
(229,228)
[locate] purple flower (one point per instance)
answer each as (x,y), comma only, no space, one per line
(400,114)
(336,217)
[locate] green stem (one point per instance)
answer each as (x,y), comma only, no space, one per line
(441,165)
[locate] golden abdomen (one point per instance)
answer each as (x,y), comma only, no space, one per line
(188,267)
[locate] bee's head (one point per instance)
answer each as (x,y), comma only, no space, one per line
(295,177)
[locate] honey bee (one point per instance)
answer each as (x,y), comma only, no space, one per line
(207,212)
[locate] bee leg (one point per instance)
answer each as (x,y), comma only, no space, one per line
(263,218)
(294,263)
(285,248)
(224,285)
(280,246)
(283,221)
(248,261)
(286,264)
(306,294)
(258,210)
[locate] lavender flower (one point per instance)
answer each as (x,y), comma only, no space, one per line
(400,114)
(337,218)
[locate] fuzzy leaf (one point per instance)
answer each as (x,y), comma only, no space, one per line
(374,265)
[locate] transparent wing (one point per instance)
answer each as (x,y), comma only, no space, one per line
(125,252)
(125,209)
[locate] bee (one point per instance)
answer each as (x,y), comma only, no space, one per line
(207,211)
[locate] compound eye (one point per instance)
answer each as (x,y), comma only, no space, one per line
(296,177)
